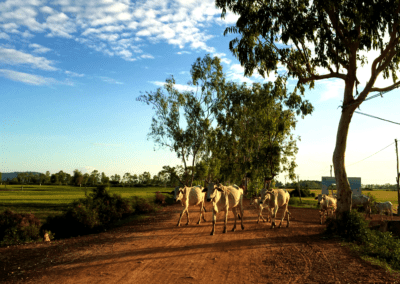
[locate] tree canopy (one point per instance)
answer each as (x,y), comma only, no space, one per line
(231,129)
(318,40)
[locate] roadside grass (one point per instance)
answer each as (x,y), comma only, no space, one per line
(306,202)
(47,200)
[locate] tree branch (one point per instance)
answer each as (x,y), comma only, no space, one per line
(389,88)
(320,77)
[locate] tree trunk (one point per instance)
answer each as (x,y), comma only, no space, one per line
(342,183)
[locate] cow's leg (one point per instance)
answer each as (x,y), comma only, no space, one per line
(187,214)
(283,217)
(273,217)
(180,217)
(201,211)
(322,213)
(226,220)
(204,212)
(213,223)
(288,217)
(234,215)
(260,215)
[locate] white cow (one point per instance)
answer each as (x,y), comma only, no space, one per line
(327,202)
(276,198)
(260,207)
(384,207)
(191,196)
(323,208)
(361,200)
(223,198)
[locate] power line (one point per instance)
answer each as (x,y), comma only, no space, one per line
(376,117)
(372,97)
(371,155)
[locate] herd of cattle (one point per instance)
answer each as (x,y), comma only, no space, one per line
(224,198)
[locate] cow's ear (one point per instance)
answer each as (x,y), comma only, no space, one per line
(219,189)
(204,190)
(172,192)
(316,198)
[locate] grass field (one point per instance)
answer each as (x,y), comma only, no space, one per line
(381,196)
(49,199)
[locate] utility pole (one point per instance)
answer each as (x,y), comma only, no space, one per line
(397,179)
(331,170)
(298,187)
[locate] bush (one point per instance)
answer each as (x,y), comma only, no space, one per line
(160,198)
(142,206)
(372,199)
(77,220)
(18,228)
(98,210)
(352,227)
(305,192)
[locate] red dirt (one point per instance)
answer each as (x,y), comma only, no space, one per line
(156,251)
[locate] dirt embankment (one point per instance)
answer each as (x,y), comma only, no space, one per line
(156,251)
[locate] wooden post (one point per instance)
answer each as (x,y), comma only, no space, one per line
(397,179)
(298,187)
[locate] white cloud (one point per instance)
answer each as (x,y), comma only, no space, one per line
(333,89)
(47,10)
(179,87)
(110,80)
(183,52)
(73,74)
(4,36)
(15,57)
(31,79)
(147,56)
(102,23)
(39,48)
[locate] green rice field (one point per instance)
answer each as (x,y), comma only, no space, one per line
(50,199)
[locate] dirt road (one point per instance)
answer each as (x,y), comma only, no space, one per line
(156,251)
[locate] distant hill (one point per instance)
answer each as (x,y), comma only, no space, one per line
(5,176)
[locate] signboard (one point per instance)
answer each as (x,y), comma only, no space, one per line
(355,184)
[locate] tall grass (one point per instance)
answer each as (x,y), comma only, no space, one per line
(48,200)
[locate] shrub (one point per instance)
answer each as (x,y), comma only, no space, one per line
(160,198)
(142,206)
(372,199)
(305,192)
(95,212)
(352,226)
(18,228)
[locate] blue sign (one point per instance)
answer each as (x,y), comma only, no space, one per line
(355,184)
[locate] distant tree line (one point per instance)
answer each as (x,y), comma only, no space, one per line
(169,176)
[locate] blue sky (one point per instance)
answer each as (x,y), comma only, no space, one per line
(70,73)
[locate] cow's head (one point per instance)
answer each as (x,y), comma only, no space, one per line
(180,193)
(212,190)
(319,198)
(266,195)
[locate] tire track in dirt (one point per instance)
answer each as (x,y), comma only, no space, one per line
(157,251)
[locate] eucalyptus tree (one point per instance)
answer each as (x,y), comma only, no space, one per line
(319,40)
(182,119)
(47,179)
(126,177)
(95,176)
(254,133)
(104,179)
(76,178)
(116,178)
